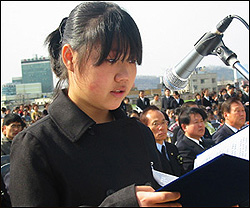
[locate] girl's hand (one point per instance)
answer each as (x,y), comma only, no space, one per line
(147,197)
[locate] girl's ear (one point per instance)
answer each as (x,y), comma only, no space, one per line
(67,57)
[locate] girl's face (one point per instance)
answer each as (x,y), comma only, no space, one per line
(101,87)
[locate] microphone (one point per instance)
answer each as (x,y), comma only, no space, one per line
(177,78)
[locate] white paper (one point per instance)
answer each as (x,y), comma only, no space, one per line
(163,178)
(236,145)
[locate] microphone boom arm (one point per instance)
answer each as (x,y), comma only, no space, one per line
(230,59)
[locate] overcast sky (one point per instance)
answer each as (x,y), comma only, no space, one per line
(169,29)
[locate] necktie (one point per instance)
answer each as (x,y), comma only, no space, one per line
(202,144)
(163,152)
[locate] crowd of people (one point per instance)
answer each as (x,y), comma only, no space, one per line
(86,151)
(219,117)
(182,130)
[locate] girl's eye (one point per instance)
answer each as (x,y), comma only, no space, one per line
(132,61)
(112,61)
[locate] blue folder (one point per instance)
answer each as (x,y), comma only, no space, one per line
(221,182)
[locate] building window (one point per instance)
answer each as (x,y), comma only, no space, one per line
(202,81)
(194,80)
(213,80)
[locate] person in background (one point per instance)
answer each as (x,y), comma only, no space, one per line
(21,108)
(235,117)
(142,102)
(245,99)
(3,112)
(222,95)
(166,100)
(230,92)
(156,101)
(191,121)
(26,117)
(177,101)
(171,116)
(170,158)
(86,151)
(45,110)
(198,99)
(36,114)
(12,125)
(206,100)
(126,106)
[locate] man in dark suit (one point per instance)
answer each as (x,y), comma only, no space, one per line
(230,92)
(168,153)
(142,102)
(235,117)
(177,101)
(191,121)
(166,100)
(245,94)
(245,99)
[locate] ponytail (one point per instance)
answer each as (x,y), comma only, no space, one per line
(54,42)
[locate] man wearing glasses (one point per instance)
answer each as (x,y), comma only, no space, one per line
(12,125)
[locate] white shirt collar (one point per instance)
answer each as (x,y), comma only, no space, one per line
(195,140)
(207,97)
(232,128)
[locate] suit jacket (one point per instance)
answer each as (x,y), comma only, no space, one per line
(244,98)
(222,133)
(174,103)
(172,166)
(205,102)
(189,149)
(166,103)
(144,104)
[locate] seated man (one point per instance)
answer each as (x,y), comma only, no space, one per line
(191,121)
(234,114)
(168,153)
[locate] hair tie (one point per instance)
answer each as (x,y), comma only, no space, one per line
(62,27)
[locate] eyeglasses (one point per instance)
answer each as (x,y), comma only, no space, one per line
(158,124)
(13,126)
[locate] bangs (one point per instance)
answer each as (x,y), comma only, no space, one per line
(115,31)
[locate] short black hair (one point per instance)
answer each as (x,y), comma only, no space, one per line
(184,116)
(10,118)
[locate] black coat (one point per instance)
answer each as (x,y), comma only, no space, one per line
(174,103)
(206,103)
(166,103)
(222,133)
(144,104)
(172,166)
(189,149)
(244,98)
(66,159)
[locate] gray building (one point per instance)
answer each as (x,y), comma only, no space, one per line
(38,70)
(201,81)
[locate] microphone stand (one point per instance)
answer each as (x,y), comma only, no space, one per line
(230,59)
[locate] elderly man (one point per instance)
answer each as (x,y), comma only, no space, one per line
(235,117)
(168,153)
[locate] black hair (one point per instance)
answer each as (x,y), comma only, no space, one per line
(11,118)
(226,105)
(184,116)
(95,25)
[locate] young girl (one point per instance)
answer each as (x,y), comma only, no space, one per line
(86,151)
